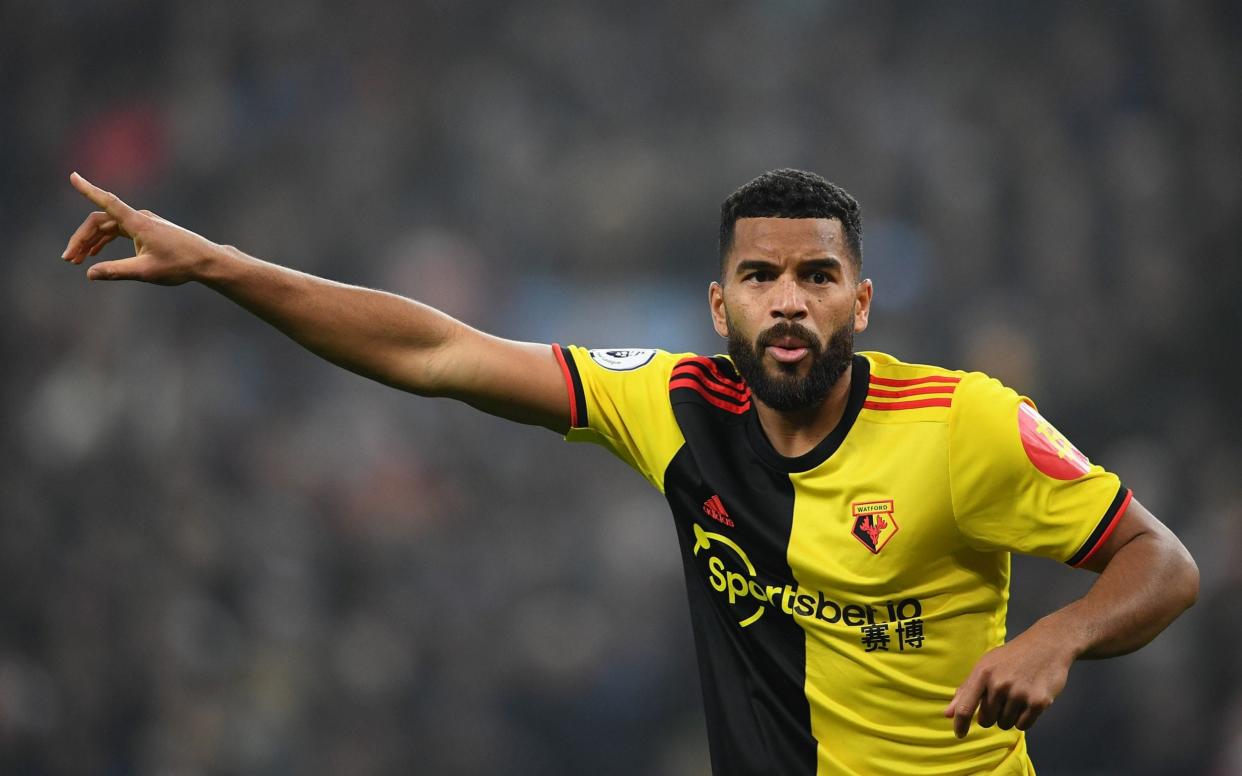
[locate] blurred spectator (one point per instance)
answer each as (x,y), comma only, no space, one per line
(220,555)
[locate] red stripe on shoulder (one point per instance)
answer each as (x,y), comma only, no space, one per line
(697,387)
(892,382)
(907,405)
(710,365)
(921,391)
(688,371)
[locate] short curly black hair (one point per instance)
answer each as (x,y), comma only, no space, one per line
(789,193)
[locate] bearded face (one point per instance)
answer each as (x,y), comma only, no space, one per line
(778,384)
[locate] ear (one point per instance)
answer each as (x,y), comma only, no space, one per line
(862,304)
(715,301)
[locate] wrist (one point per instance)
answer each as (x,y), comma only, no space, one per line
(217,264)
(1062,632)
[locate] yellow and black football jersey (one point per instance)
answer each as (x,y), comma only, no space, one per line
(840,597)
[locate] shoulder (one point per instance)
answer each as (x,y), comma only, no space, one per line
(626,359)
(710,381)
(619,363)
(900,391)
(601,380)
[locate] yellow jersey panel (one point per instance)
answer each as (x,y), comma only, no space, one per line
(839,598)
(1018,484)
(619,400)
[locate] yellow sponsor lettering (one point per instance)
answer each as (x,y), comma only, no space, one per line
(737,586)
(796,601)
(716,566)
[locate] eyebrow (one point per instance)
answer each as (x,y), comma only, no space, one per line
(826,263)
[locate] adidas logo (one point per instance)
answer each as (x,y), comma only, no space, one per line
(715,509)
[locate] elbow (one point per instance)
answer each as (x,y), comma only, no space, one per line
(1191,574)
(1186,576)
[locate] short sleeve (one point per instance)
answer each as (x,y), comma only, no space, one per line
(619,399)
(1018,484)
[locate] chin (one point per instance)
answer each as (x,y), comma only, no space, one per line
(781,369)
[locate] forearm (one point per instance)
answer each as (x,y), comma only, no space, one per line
(376,334)
(1145,586)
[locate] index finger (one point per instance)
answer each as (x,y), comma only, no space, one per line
(106,200)
(964,704)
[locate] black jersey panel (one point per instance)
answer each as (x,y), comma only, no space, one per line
(733,518)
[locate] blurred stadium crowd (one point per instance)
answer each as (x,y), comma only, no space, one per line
(219,555)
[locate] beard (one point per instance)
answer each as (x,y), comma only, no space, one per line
(785,391)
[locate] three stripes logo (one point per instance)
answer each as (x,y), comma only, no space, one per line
(887,393)
(715,509)
(708,380)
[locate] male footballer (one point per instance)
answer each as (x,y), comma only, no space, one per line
(846,519)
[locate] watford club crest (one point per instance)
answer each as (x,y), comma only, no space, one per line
(874,525)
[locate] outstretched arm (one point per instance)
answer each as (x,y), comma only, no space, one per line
(1147,578)
(383,336)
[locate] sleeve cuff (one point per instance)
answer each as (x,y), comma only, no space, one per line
(573,385)
(1104,528)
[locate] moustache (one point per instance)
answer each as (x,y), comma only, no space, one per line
(788,329)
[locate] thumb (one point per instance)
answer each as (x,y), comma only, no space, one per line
(118,269)
(951,709)
(965,701)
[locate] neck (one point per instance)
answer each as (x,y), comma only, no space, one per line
(797,432)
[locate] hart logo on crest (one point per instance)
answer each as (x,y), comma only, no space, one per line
(874,525)
(622,359)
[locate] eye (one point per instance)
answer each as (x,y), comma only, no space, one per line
(820,278)
(760,276)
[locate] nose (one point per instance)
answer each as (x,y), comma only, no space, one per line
(788,300)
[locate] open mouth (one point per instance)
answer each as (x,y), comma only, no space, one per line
(788,350)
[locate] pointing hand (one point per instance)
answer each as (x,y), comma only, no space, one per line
(164,253)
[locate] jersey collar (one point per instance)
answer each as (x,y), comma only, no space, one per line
(859,381)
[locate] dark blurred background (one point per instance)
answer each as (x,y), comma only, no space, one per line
(220,555)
